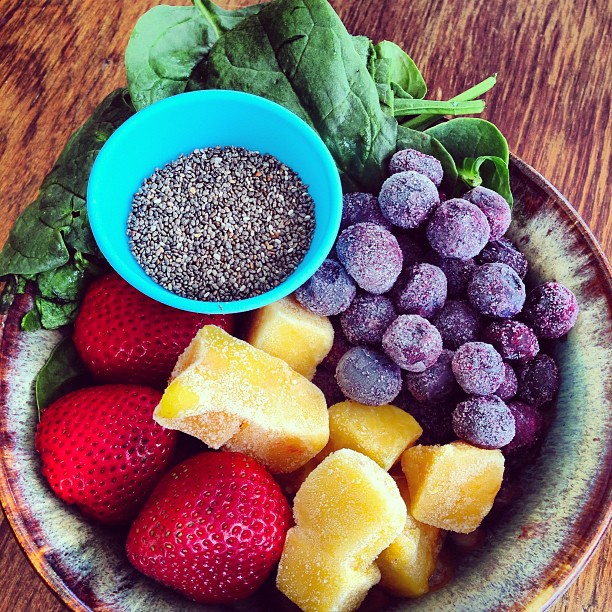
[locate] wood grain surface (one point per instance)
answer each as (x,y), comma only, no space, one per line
(59,58)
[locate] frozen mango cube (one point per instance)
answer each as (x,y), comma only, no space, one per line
(347,511)
(452,486)
(318,582)
(382,433)
(227,393)
(409,561)
(291,483)
(290,332)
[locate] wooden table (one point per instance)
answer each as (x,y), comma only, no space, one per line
(554,60)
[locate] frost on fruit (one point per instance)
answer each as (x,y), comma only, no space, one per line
(347,512)
(452,486)
(227,393)
(408,563)
(288,331)
(382,433)
(291,483)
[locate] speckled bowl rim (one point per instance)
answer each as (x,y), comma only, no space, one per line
(560,573)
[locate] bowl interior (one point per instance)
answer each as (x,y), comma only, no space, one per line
(161,132)
(530,554)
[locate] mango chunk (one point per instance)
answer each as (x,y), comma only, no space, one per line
(288,331)
(318,582)
(227,393)
(408,563)
(291,483)
(382,433)
(452,486)
(347,512)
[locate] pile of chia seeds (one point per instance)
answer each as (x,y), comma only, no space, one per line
(221,224)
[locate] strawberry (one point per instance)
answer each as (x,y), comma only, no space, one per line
(213,529)
(124,336)
(102,450)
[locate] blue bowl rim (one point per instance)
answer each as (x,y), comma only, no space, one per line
(147,285)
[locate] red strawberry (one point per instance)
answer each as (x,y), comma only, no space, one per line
(124,336)
(102,450)
(213,529)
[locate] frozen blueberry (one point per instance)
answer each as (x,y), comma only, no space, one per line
(410,245)
(503,251)
(458,323)
(422,290)
(538,380)
(412,342)
(435,383)
(496,209)
(458,229)
(458,272)
(410,159)
(484,421)
(361,208)
(496,290)
(367,318)
(508,387)
(326,381)
(329,291)
(551,309)
(371,255)
(436,419)
(512,340)
(528,425)
(407,199)
(368,377)
(478,368)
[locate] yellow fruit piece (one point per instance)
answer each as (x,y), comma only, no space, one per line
(288,331)
(382,433)
(347,511)
(407,564)
(227,393)
(291,483)
(318,582)
(452,486)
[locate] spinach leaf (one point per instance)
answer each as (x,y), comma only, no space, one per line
(54,229)
(21,283)
(31,320)
(395,75)
(167,43)
(403,75)
(12,287)
(489,171)
(78,237)
(36,242)
(425,143)
(63,284)
(32,245)
(63,372)
(380,70)
(363,46)
(480,152)
(299,54)
(224,19)
(55,314)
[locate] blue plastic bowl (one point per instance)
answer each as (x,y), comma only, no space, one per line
(159,133)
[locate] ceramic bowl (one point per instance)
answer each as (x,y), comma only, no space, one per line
(528,558)
(177,125)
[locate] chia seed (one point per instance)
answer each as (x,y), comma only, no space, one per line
(221,224)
